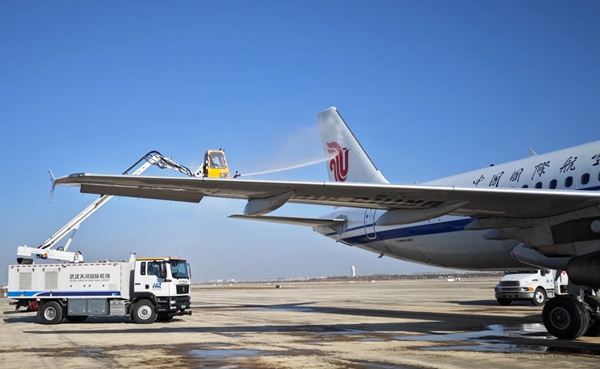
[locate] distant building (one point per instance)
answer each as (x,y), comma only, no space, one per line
(353,270)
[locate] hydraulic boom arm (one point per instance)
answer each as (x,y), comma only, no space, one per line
(46,250)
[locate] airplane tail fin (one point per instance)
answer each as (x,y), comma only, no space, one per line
(348,160)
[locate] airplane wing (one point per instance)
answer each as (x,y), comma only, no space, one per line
(474,202)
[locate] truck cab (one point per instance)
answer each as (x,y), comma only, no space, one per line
(536,286)
(165,282)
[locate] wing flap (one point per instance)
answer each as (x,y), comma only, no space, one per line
(146,193)
(311,222)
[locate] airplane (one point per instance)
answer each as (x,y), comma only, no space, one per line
(539,212)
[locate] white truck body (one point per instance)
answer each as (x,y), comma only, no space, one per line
(73,280)
(77,290)
(536,286)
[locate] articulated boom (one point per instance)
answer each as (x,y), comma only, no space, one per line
(46,250)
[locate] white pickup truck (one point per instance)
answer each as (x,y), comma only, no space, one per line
(536,286)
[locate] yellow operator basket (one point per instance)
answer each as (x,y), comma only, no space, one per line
(215,164)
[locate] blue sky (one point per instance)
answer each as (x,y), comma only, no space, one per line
(430,88)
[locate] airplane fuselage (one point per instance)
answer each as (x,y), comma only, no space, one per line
(443,241)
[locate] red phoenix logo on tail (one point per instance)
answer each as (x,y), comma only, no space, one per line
(339,163)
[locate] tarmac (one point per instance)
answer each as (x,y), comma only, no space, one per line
(384,324)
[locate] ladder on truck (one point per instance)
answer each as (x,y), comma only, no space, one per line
(47,251)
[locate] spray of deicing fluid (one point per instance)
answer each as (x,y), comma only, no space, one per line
(286,168)
(295,149)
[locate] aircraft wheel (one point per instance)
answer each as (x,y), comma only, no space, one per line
(51,313)
(565,317)
(76,318)
(594,328)
(143,312)
(539,297)
(504,302)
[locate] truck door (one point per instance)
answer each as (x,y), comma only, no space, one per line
(548,280)
(149,277)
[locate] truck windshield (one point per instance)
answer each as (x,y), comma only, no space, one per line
(179,269)
(521,272)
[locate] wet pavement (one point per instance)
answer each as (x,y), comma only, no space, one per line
(410,324)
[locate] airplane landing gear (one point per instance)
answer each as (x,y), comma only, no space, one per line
(594,303)
(567,317)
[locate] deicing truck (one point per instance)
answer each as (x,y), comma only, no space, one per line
(146,289)
(536,286)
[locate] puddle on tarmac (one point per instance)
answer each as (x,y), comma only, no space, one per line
(371,339)
(370,364)
(236,355)
(490,339)
(493,339)
(492,346)
(509,339)
(535,330)
(225,353)
(233,356)
(199,346)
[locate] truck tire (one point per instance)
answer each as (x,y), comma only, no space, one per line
(539,297)
(504,302)
(51,313)
(76,318)
(143,312)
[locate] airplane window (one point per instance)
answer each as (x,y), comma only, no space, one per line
(538,185)
(585,178)
(525,186)
(568,181)
(553,184)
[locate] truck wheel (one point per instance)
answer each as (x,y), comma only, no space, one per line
(504,302)
(51,313)
(565,317)
(76,318)
(162,317)
(143,312)
(539,297)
